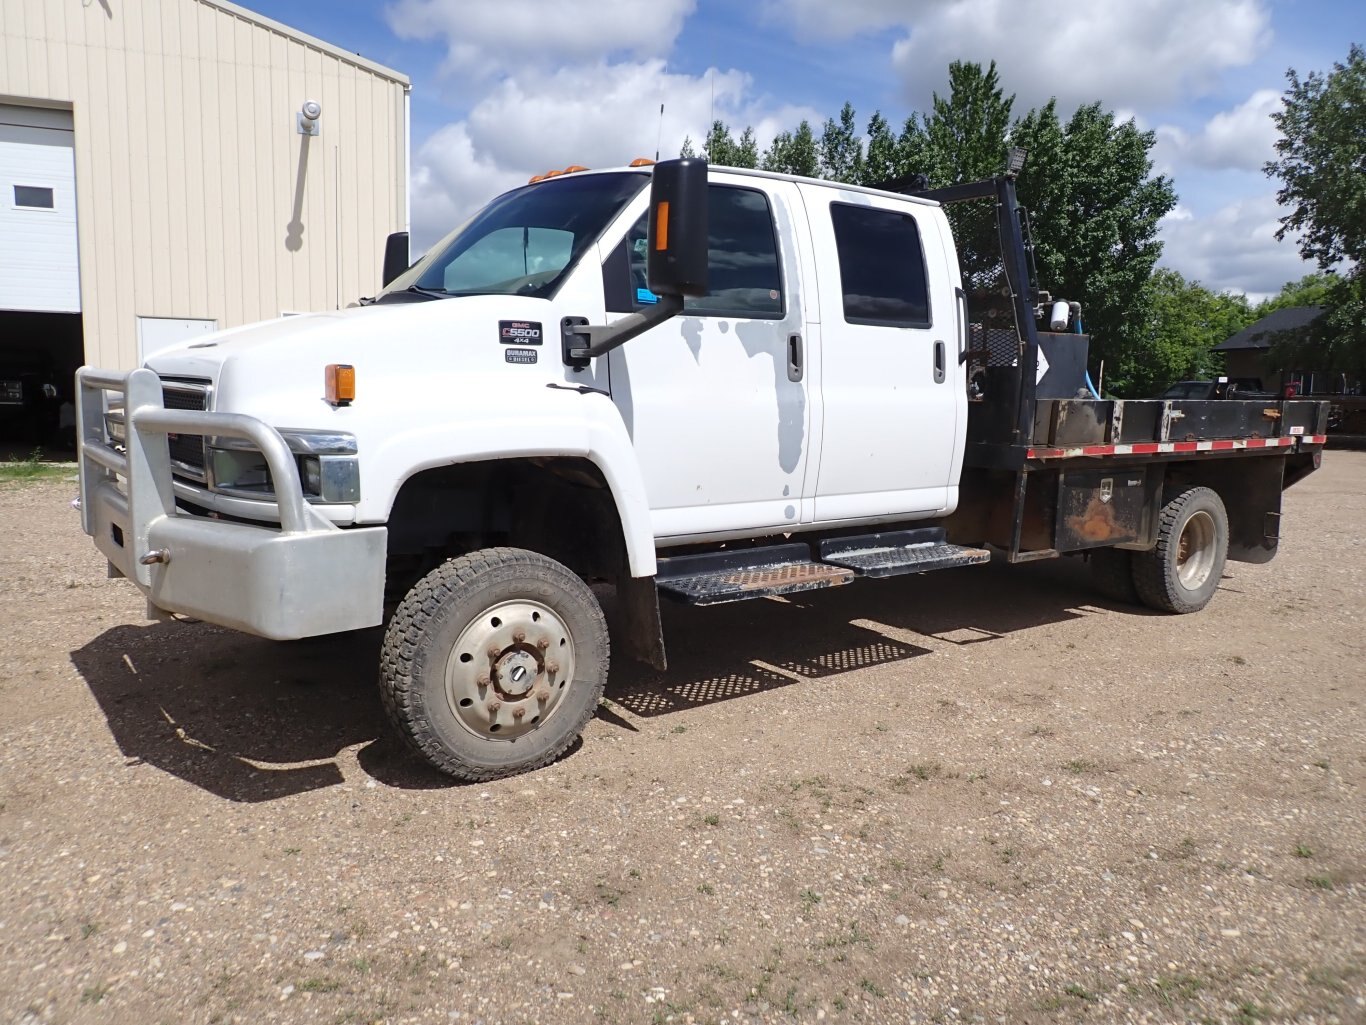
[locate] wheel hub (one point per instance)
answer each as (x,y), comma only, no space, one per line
(509,669)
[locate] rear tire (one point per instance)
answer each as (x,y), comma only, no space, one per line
(493,663)
(1112,574)
(1183,570)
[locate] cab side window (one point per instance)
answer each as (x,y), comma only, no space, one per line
(882,267)
(743,269)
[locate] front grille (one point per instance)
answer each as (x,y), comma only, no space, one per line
(187,450)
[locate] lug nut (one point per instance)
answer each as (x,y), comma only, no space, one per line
(494,706)
(519,636)
(494,652)
(552,667)
(543,643)
(483,680)
(517,713)
(542,695)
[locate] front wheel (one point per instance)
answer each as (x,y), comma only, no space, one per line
(493,663)
(1183,570)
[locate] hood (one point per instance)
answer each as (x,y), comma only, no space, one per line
(274,370)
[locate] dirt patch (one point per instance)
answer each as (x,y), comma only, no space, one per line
(977,795)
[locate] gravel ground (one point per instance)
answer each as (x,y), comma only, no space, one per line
(981,795)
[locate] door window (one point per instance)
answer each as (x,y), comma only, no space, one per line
(744,273)
(882,267)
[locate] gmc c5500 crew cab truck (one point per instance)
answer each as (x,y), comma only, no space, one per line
(698,383)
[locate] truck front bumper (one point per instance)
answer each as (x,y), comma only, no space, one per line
(301,578)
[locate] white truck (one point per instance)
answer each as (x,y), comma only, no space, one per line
(702,383)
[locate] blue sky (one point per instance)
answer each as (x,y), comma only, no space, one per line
(506,88)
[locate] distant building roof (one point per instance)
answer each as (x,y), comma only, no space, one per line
(1261,334)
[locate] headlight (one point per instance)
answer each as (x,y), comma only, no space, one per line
(328,468)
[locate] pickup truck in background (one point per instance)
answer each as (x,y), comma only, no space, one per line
(704,384)
(1247,388)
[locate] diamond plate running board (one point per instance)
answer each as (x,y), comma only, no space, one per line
(717,577)
(898,552)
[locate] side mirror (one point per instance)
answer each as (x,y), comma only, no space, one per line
(395,255)
(676,263)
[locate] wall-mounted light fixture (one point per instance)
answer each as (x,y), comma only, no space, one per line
(308,117)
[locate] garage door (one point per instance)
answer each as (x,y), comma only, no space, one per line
(39,269)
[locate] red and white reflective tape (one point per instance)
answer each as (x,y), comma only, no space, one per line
(1149,448)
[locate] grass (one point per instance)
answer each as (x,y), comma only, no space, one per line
(89,929)
(1319,882)
(712,820)
(317,985)
(1170,989)
(1077,766)
(1301,851)
(33,468)
(94,994)
(810,898)
(706,888)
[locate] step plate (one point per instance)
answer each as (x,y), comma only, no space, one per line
(714,586)
(896,560)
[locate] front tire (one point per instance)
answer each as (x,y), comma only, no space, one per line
(1183,570)
(493,663)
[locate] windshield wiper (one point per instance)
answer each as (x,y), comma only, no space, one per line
(430,293)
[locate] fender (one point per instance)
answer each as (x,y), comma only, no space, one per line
(564,422)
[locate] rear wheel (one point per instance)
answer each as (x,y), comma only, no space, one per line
(1183,570)
(493,663)
(1112,574)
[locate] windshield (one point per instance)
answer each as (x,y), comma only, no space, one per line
(525,241)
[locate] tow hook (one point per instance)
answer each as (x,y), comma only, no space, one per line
(156,555)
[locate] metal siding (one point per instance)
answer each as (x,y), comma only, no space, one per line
(187,161)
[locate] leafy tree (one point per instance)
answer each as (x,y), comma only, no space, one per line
(1322,168)
(1094,207)
(841,149)
(1188,321)
(963,139)
(687,150)
(719,147)
(794,152)
(882,162)
(1310,290)
(746,152)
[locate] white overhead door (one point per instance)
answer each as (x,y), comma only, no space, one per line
(39,268)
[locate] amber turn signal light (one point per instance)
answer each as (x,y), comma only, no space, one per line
(339,381)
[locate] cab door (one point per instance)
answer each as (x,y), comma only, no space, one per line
(892,387)
(716,399)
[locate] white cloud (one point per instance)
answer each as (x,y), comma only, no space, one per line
(1233,249)
(598,115)
(1124,54)
(514,36)
(1241,139)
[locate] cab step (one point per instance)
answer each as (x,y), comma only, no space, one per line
(713,578)
(897,552)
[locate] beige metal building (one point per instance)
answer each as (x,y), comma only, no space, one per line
(157,179)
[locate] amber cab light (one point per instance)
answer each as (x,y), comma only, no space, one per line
(340,383)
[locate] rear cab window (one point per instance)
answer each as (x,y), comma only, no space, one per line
(883,278)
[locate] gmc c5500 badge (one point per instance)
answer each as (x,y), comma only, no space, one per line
(519,332)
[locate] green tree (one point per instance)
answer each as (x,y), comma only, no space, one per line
(1094,207)
(841,149)
(964,137)
(1321,163)
(687,149)
(719,147)
(746,150)
(882,162)
(1188,321)
(1310,290)
(794,152)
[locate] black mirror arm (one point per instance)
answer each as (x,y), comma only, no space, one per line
(602,339)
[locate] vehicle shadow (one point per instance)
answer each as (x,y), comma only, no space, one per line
(250,720)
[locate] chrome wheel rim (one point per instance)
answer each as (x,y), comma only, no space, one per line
(509,670)
(1196,551)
